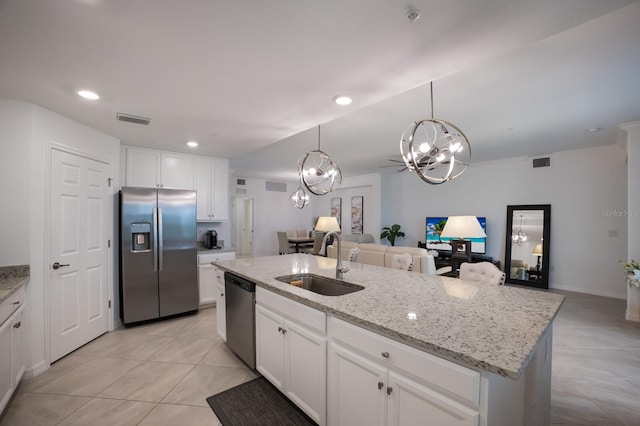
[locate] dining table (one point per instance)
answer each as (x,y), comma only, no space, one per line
(300,242)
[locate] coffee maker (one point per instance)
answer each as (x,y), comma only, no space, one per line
(211,239)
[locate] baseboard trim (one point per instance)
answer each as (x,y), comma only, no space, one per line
(589,291)
(35,370)
(630,317)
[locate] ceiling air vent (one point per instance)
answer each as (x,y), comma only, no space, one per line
(541,162)
(276,186)
(133,118)
(241,182)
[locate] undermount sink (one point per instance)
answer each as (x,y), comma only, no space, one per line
(321,285)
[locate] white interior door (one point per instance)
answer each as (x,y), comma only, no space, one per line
(79,258)
(243,224)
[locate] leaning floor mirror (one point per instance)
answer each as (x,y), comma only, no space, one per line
(527,245)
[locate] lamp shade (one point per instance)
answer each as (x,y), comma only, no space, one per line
(327,224)
(462,227)
(537,251)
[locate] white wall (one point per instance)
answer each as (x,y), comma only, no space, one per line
(27,132)
(272,213)
(632,143)
(16,122)
(584,187)
(367,186)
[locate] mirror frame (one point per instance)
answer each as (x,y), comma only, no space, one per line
(546,232)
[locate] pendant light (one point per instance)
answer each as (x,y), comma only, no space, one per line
(519,237)
(319,173)
(299,198)
(437,150)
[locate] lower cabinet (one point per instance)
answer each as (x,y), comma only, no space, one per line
(221,308)
(367,384)
(292,357)
(12,362)
(208,276)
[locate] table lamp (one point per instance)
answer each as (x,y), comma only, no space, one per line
(458,228)
(537,251)
(326,224)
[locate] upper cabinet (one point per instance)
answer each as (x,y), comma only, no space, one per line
(211,184)
(158,169)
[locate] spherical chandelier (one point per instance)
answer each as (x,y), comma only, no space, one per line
(318,172)
(437,150)
(519,238)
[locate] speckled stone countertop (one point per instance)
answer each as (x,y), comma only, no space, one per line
(494,328)
(11,279)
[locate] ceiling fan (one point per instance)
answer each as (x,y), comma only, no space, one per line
(425,164)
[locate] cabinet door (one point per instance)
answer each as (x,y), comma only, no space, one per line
(5,363)
(176,171)
(411,403)
(142,168)
(270,346)
(207,284)
(305,364)
(221,312)
(203,186)
(220,205)
(357,389)
(17,347)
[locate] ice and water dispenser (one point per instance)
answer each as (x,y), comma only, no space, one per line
(141,237)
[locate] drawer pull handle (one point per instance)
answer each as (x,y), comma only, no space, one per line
(17,325)
(280,329)
(385,354)
(389,390)
(284,331)
(380,385)
(16,303)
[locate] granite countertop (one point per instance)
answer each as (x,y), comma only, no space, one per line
(494,328)
(11,279)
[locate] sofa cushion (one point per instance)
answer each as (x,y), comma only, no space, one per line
(422,260)
(402,261)
(484,272)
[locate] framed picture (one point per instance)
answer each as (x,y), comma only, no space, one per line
(356,215)
(336,210)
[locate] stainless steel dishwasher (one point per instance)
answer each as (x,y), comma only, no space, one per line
(240,298)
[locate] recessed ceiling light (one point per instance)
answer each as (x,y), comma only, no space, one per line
(593,129)
(192,144)
(342,100)
(87,94)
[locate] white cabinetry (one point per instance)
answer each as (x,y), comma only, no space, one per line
(291,351)
(391,384)
(221,307)
(211,184)
(151,168)
(12,363)
(207,276)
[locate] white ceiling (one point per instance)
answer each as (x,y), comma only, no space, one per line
(238,76)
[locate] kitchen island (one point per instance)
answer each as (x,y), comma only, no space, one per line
(503,334)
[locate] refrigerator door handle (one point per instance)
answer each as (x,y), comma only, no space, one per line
(160,243)
(155,239)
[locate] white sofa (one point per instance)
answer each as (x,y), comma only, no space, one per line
(381,255)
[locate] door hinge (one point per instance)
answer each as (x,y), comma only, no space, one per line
(108,243)
(109,304)
(109,182)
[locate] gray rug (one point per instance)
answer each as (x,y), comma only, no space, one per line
(256,402)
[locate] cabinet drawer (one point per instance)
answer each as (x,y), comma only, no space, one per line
(460,381)
(11,305)
(304,315)
(206,258)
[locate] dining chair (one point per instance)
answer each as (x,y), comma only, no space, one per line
(283,243)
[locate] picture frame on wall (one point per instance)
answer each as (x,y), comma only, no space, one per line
(357,204)
(336,210)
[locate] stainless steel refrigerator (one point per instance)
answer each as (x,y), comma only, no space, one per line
(158,257)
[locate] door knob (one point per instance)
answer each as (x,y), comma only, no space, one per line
(380,385)
(389,390)
(385,354)
(59,265)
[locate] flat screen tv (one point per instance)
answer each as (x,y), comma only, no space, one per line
(435,225)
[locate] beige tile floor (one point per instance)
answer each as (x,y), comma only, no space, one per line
(161,373)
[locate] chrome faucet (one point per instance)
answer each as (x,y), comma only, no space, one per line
(340,270)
